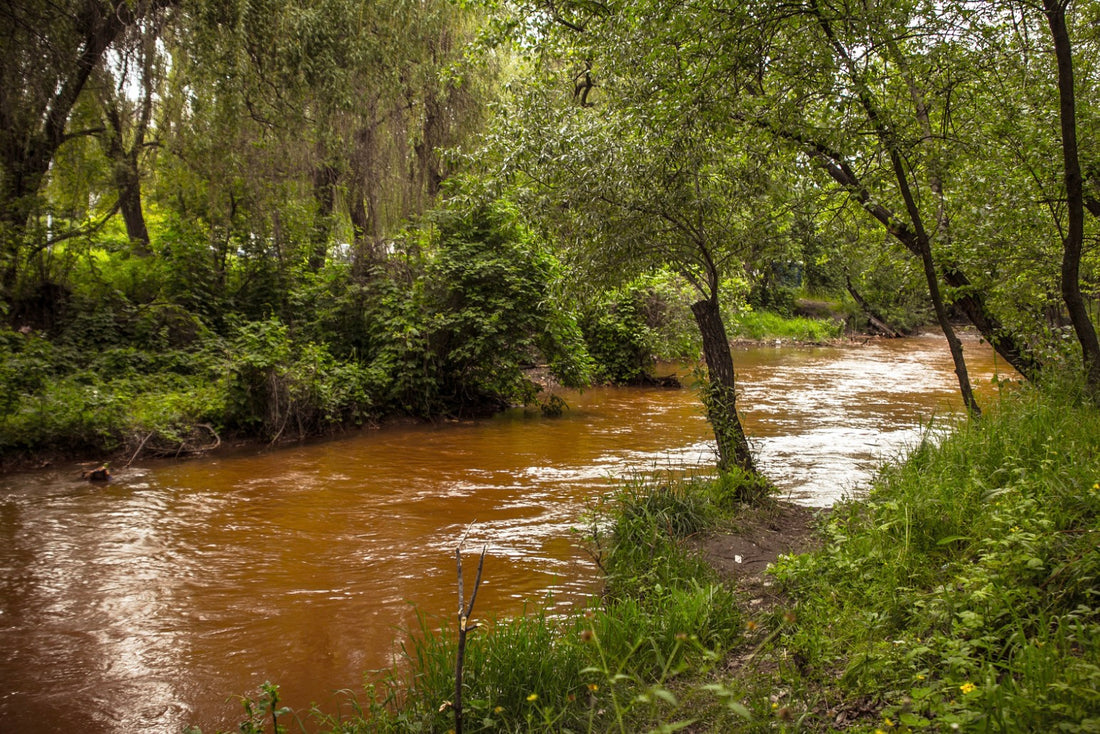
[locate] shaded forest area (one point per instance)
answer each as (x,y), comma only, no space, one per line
(273,218)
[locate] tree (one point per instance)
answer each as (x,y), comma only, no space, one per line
(352,101)
(1073,237)
(631,188)
(51,50)
(124,88)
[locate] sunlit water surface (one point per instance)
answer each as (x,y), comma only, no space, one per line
(147,603)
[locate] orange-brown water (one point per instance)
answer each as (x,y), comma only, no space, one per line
(146,604)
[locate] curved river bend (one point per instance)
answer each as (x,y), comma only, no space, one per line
(147,603)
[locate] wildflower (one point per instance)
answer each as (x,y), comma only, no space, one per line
(968,687)
(888,721)
(533,697)
(593,687)
(920,676)
(750,625)
(879,731)
(498,709)
(774,705)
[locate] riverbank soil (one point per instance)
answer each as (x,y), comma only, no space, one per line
(762,534)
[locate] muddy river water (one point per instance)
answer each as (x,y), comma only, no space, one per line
(148,603)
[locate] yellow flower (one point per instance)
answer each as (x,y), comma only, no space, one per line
(498,709)
(879,731)
(593,687)
(920,676)
(533,697)
(886,720)
(968,687)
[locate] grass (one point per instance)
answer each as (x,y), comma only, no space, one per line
(964,591)
(961,595)
(769,325)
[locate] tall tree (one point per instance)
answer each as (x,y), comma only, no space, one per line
(124,87)
(630,187)
(1073,234)
(50,51)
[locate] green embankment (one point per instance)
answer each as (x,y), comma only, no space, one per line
(960,595)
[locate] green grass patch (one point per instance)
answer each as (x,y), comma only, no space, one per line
(768,325)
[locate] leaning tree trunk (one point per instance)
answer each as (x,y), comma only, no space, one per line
(721,394)
(1055,11)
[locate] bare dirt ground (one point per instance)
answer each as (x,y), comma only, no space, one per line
(761,536)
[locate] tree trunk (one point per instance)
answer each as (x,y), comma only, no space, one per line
(127,180)
(1055,11)
(876,320)
(924,247)
(324,193)
(129,200)
(721,397)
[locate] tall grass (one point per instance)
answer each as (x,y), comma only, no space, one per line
(769,325)
(965,591)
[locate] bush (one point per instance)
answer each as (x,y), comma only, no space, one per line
(278,384)
(489,311)
(628,329)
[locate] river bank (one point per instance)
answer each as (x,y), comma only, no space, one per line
(131,420)
(960,595)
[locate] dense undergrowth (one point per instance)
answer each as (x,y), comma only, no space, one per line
(961,594)
(126,362)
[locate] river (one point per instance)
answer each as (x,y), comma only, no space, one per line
(145,604)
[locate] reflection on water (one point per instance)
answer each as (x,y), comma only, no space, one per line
(143,604)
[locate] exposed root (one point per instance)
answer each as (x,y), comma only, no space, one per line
(199,438)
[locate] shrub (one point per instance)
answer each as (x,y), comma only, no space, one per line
(489,314)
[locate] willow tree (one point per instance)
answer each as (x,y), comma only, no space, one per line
(50,51)
(124,88)
(352,102)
